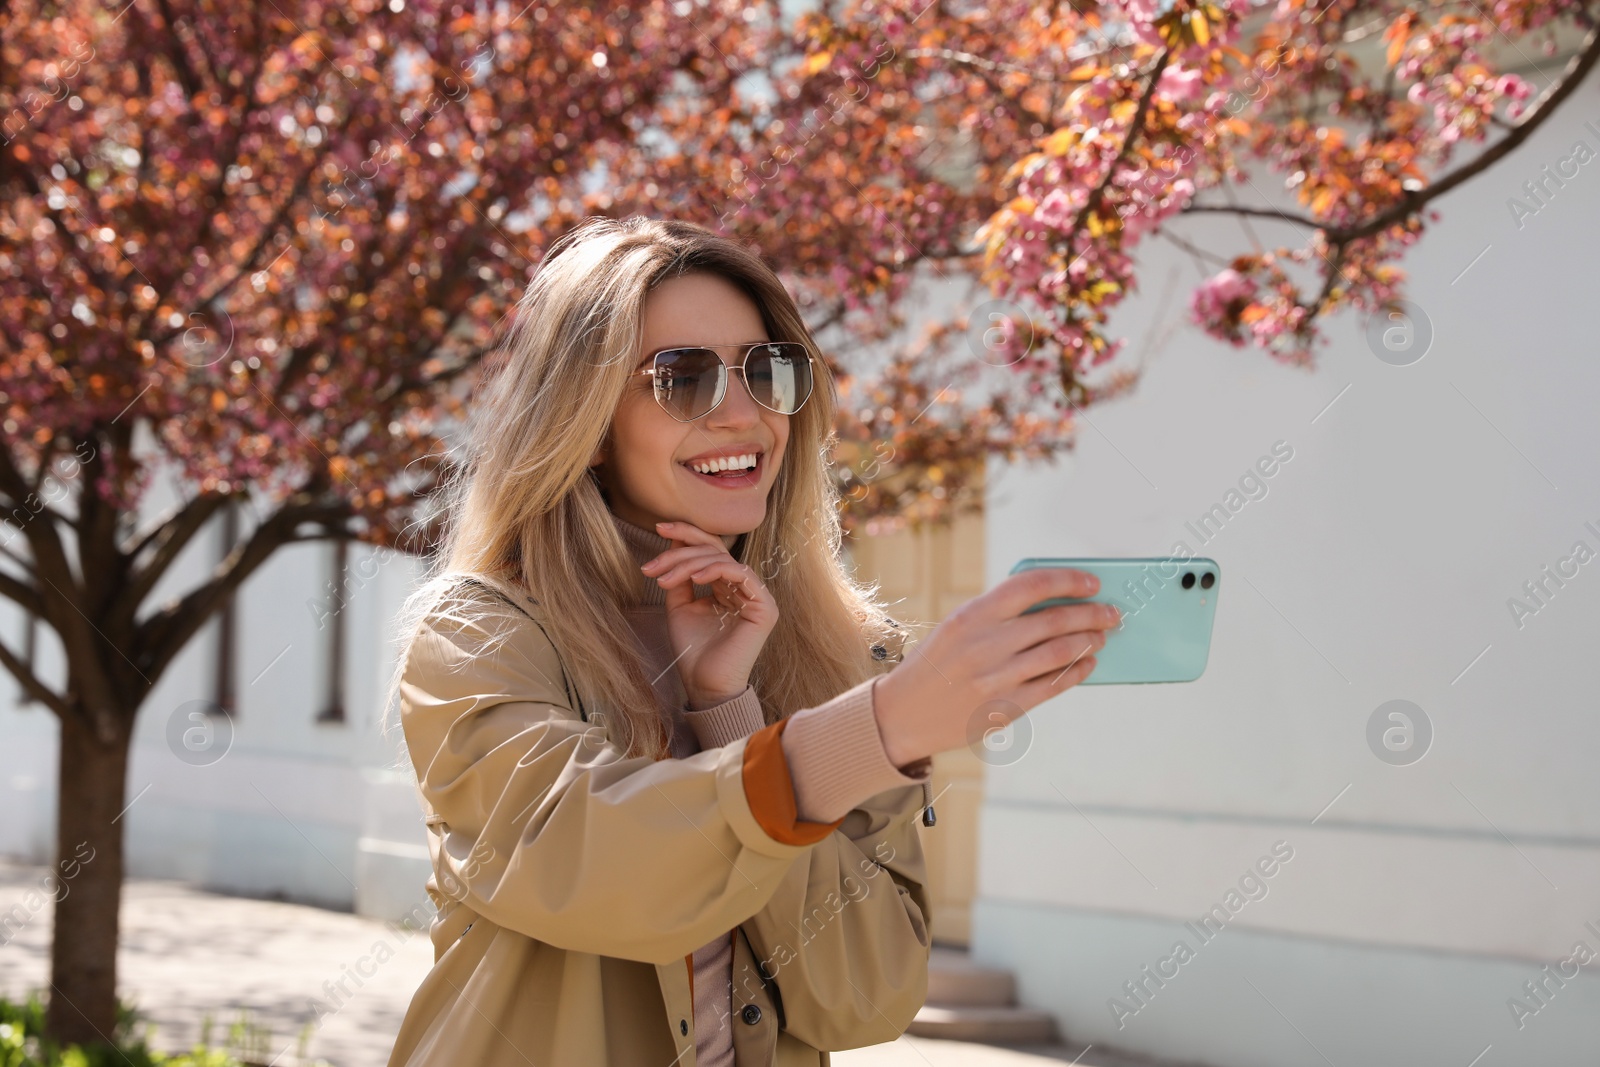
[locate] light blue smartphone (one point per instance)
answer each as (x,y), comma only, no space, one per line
(1167,607)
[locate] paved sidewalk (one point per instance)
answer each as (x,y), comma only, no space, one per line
(188,954)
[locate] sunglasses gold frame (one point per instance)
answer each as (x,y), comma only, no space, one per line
(748,347)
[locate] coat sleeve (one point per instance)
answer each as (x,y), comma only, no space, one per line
(546,828)
(845,936)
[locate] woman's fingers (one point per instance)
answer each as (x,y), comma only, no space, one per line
(987,651)
(677,553)
(692,546)
(689,533)
(1028,646)
(1021,591)
(1025,631)
(679,563)
(733,584)
(1053,656)
(1055,683)
(735,592)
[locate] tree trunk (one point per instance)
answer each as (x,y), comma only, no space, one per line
(91,783)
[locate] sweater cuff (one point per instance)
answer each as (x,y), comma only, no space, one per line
(769,790)
(732,719)
(836,757)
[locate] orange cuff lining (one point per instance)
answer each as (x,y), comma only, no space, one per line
(770,790)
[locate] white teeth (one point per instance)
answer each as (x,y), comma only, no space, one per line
(711,466)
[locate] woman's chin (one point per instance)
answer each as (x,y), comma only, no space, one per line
(728,519)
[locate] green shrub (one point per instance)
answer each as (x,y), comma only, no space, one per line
(22,1043)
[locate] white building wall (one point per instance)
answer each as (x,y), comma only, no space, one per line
(1377,566)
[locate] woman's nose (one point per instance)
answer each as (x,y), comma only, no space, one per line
(738,407)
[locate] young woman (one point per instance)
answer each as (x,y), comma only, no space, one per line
(671,793)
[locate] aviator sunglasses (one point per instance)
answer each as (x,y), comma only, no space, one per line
(691,382)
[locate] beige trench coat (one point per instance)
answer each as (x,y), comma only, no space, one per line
(573,884)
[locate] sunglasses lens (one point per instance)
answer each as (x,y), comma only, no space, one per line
(689,381)
(779,375)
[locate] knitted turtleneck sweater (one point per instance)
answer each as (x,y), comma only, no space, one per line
(834,751)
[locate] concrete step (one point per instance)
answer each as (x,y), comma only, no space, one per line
(988,1025)
(953,978)
(968,1001)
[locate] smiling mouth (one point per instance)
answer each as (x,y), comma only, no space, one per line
(726,464)
(729,472)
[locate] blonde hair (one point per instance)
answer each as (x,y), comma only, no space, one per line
(525,509)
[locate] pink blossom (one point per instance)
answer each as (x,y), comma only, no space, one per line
(1181,84)
(1228,285)
(1512,86)
(1212,305)
(1055,210)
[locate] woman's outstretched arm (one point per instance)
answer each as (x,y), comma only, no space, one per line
(860,971)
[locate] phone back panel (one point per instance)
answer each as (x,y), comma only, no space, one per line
(1165,634)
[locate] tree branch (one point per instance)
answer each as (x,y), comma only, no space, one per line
(1135,127)
(21,594)
(1257,212)
(163,635)
(170,539)
(35,688)
(1577,68)
(970,60)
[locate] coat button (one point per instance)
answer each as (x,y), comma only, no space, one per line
(683,1027)
(751,1013)
(879,652)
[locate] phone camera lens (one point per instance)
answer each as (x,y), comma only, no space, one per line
(1188,579)
(1207,580)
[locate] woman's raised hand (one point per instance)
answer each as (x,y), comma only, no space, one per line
(987,657)
(716,639)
